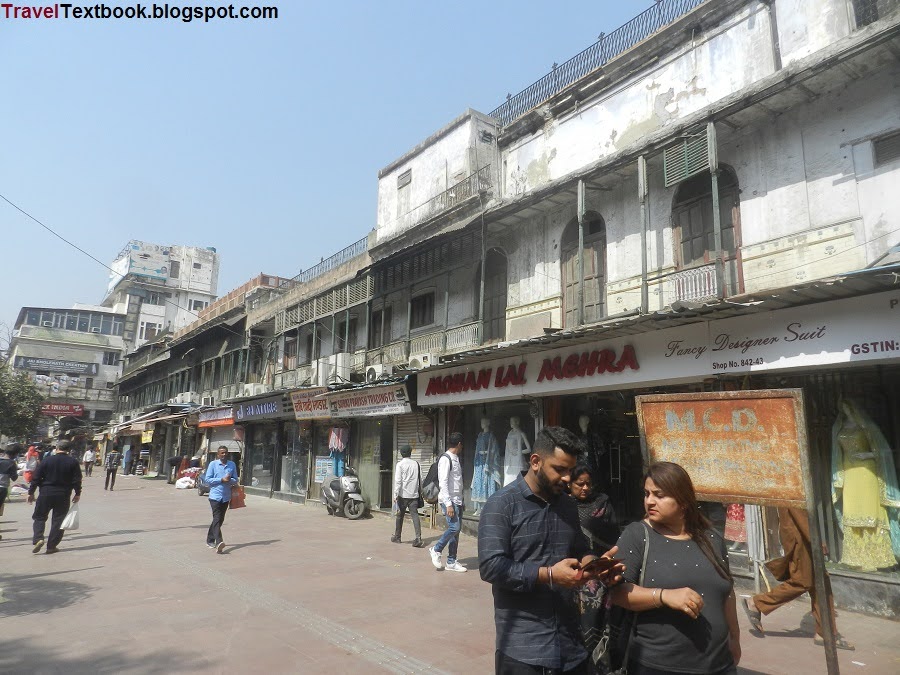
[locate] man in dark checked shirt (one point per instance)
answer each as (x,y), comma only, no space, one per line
(531,550)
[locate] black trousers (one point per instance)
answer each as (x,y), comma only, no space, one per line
(402,505)
(506,665)
(110,479)
(59,505)
(214,536)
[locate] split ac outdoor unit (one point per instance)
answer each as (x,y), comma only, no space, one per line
(208,400)
(333,369)
(377,371)
(420,361)
(186,397)
(254,389)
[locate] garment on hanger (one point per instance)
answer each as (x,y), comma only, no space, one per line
(486,478)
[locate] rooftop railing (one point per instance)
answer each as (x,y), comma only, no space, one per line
(352,251)
(601,52)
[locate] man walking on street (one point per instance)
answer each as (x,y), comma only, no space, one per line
(450,499)
(531,550)
(407,482)
(9,471)
(88,460)
(113,459)
(57,476)
(221,474)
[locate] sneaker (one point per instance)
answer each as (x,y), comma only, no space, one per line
(220,547)
(435,558)
(395,538)
(51,550)
(455,567)
(418,543)
(210,546)
(38,546)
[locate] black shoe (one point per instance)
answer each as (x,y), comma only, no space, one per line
(395,538)
(51,550)
(38,545)
(418,543)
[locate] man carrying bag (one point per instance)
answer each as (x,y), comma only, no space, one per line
(57,477)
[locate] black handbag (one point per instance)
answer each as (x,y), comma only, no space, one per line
(610,656)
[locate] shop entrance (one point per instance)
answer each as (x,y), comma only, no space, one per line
(374,460)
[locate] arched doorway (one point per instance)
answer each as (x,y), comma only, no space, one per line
(594,270)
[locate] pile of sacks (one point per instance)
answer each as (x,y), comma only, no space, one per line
(188,478)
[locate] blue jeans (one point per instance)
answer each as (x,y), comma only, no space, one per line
(451,534)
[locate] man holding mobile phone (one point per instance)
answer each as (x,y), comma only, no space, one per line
(532,551)
(221,475)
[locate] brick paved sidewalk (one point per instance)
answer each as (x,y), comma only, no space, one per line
(137,591)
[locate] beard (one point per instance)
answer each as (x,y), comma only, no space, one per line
(548,487)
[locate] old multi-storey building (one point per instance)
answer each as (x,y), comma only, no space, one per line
(160,288)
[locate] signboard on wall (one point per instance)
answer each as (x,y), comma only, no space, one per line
(310,404)
(743,447)
(370,402)
(271,407)
(62,409)
(223,417)
(56,365)
(324,466)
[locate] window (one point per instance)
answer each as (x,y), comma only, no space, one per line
(422,311)
(345,345)
(692,215)
(594,270)
(33,317)
(197,266)
(106,325)
(149,330)
(197,305)
(886,149)
(404,179)
(155,298)
(380,329)
(89,383)
(110,358)
(174,269)
(83,322)
(290,353)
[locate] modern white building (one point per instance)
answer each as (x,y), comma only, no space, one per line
(160,288)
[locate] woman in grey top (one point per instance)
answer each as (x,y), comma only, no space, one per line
(686,616)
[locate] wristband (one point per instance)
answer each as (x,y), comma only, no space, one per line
(660,597)
(550,573)
(653,597)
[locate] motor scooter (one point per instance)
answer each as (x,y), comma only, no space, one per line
(341,494)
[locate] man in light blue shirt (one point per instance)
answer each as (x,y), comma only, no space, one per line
(221,474)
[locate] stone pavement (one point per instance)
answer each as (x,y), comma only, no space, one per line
(136,590)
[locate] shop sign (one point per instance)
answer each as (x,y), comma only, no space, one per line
(62,409)
(324,466)
(739,447)
(310,404)
(147,436)
(839,332)
(370,402)
(56,365)
(223,417)
(273,407)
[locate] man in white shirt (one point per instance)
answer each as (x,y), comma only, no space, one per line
(450,498)
(88,460)
(407,480)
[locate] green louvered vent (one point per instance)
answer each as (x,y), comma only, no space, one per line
(686,158)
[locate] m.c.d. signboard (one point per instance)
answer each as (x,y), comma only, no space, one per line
(743,447)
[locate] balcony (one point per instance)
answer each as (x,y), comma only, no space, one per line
(391,354)
(463,337)
(696,284)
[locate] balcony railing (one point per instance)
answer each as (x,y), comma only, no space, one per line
(463,337)
(358,362)
(430,343)
(390,354)
(601,52)
(453,196)
(345,255)
(695,284)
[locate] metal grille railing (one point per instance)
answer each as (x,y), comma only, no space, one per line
(452,196)
(601,52)
(353,250)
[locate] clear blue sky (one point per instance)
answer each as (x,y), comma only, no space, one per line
(262,139)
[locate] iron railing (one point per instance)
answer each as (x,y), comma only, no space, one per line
(601,52)
(352,251)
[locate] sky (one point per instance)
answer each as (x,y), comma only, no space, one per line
(262,139)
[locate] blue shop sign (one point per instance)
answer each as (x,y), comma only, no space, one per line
(273,407)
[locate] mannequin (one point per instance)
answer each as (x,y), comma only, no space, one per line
(517,449)
(593,453)
(486,478)
(864,487)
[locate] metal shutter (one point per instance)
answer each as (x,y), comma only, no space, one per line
(410,430)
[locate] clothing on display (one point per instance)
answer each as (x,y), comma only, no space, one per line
(865,493)
(735,523)
(517,449)
(337,446)
(486,478)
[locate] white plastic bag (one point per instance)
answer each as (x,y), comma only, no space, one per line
(70,522)
(184,483)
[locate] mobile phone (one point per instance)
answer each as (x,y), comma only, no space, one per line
(600,564)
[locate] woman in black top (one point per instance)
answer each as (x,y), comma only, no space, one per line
(686,616)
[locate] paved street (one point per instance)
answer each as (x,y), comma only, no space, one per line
(137,591)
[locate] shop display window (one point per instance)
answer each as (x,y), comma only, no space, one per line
(295,462)
(262,451)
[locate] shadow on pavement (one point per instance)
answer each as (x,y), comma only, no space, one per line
(14,658)
(264,542)
(26,595)
(63,548)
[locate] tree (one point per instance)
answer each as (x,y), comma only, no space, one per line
(20,403)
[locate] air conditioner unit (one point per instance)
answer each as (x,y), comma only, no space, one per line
(173,400)
(186,397)
(95,330)
(377,371)
(254,389)
(208,400)
(47,324)
(420,361)
(333,369)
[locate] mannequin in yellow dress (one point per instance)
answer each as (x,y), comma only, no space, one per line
(862,492)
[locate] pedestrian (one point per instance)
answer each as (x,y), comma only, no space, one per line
(450,499)
(685,609)
(113,459)
(128,458)
(220,476)
(531,550)
(88,460)
(795,571)
(9,471)
(407,492)
(57,477)
(32,459)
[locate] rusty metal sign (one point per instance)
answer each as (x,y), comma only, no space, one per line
(744,447)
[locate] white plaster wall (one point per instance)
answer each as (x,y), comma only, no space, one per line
(805,26)
(724,60)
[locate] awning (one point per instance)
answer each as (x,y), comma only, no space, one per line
(168,418)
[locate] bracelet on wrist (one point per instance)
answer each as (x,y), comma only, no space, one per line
(550,574)
(660,597)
